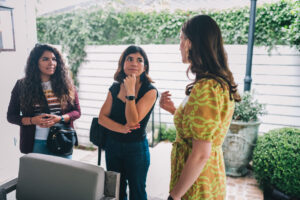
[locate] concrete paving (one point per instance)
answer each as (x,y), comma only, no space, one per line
(159,172)
(241,188)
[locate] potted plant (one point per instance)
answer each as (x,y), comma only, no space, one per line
(242,135)
(276,163)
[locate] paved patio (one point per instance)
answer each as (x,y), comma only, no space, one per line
(243,188)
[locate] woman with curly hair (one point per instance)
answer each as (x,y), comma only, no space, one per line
(203,118)
(44,97)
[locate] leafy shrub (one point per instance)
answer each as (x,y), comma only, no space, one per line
(276,160)
(270,23)
(293,29)
(273,25)
(248,109)
(167,133)
(276,24)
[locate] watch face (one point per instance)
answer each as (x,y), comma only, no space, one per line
(130,97)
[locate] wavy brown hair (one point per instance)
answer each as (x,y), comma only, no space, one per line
(207,56)
(120,74)
(32,92)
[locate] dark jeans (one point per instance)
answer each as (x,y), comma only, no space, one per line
(132,160)
(40,146)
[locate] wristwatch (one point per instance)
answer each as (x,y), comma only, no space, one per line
(62,119)
(130,98)
(170,198)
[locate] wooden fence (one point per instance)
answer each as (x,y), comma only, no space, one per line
(276,81)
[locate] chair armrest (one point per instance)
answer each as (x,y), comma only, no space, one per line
(112,184)
(7,188)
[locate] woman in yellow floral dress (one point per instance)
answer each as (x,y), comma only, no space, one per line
(203,118)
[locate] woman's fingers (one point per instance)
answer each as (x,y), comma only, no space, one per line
(129,84)
(165,95)
(44,120)
(130,78)
(165,99)
(166,103)
(135,127)
(128,129)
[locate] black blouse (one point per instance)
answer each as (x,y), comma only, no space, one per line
(118,114)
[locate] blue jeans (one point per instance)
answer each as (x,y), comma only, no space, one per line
(40,146)
(132,160)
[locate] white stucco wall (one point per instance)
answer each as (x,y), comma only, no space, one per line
(12,68)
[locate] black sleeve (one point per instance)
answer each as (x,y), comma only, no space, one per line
(114,89)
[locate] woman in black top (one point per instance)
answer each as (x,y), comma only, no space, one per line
(125,113)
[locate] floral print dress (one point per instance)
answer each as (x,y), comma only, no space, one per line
(205,115)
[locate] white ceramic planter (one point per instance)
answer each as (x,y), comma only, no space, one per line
(238,146)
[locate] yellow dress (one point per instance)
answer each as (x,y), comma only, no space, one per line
(206,115)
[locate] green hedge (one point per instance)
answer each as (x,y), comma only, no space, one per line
(167,133)
(276,24)
(276,160)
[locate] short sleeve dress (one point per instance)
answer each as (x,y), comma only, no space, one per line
(204,115)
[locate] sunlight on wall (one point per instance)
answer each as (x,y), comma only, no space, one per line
(12,68)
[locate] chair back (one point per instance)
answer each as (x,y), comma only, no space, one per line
(51,177)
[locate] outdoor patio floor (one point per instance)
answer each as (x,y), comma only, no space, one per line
(241,188)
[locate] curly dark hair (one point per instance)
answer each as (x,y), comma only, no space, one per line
(32,92)
(207,56)
(120,74)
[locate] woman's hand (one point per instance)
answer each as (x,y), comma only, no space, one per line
(45,120)
(129,84)
(166,103)
(53,119)
(197,159)
(41,120)
(127,129)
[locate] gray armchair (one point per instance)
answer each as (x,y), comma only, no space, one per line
(43,177)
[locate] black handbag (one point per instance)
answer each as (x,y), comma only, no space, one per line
(98,136)
(61,139)
(98,133)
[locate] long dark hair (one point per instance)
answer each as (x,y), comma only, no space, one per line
(207,56)
(61,83)
(120,74)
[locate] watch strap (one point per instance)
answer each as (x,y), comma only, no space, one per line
(170,198)
(130,98)
(62,119)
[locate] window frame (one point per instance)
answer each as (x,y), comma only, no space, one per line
(11,32)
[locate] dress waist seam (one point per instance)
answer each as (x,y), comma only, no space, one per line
(185,144)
